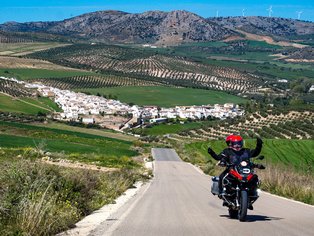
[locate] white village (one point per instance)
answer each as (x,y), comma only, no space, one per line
(89,108)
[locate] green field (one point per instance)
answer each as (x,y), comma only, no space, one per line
(17,49)
(167,96)
(76,146)
(296,153)
(99,132)
(25,74)
(162,129)
(30,106)
(43,102)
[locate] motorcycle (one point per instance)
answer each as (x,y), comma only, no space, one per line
(240,187)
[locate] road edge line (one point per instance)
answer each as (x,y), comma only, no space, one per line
(288,199)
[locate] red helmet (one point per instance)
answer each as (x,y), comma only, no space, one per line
(228,139)
(236,142)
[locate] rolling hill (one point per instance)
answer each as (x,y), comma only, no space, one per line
(116,26)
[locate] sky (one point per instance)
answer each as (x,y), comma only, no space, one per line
(55,10)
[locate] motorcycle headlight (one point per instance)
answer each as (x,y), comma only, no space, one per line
(243,163)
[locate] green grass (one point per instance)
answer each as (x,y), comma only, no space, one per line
(104,149)
(99,132)
(43,102)
(163,129)
(25,74)
(74,145)
(262,44)
(8,104)
(45,131)
(167,96)
(252,56)
(16,49)
(296,153)
(205,44)
(49,103)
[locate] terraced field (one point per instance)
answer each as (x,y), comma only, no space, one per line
(149,65)
(90,81)
(293,125)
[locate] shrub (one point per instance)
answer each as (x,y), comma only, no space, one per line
(41,199)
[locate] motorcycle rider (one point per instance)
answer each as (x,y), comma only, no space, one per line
(233,154)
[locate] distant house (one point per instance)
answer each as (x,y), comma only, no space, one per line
(229,105)
(158,120)
(88,120)
(46,93)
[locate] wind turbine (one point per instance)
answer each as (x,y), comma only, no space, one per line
(243,12)
(299,14)
(270,10)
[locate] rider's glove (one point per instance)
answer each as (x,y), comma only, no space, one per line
(260,166)
(259,141)
(210,151)
(222,163)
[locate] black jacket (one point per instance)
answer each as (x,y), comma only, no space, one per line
(228,155)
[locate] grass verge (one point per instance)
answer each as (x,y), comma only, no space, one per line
(40,199)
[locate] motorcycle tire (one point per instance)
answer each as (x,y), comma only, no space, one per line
(233,214)
(243,206)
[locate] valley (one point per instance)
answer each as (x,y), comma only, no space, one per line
(99,97)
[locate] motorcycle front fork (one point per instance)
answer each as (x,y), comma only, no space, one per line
(238,197)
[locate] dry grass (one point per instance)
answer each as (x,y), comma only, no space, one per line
(16,62)
(40,199)
(286,182)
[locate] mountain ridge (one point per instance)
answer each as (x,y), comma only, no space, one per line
(164,28)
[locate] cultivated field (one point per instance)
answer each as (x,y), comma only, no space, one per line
(167,96)
(20,49)
(25,105)
(92,81)
(68,145)
(293,125)
(149,65)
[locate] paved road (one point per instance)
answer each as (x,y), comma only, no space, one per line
(178,202)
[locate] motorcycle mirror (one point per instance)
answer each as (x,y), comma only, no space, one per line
(260,157)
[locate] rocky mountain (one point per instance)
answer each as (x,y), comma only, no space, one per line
(280,28)
(164,27)
(149,27)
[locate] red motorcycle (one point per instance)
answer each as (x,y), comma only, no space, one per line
(240,186)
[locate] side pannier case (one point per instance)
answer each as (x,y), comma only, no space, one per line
(214,187)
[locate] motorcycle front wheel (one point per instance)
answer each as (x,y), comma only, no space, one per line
(243,201)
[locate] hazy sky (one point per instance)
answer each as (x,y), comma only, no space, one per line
(50,10)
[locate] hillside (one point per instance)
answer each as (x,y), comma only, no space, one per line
(280,28)
(115,26)
(148,65)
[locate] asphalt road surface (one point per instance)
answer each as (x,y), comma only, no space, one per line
(178,202)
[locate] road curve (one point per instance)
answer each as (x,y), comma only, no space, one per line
(178,202)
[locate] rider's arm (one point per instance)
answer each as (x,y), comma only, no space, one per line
(259,144)
(222,156)
(213,154)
